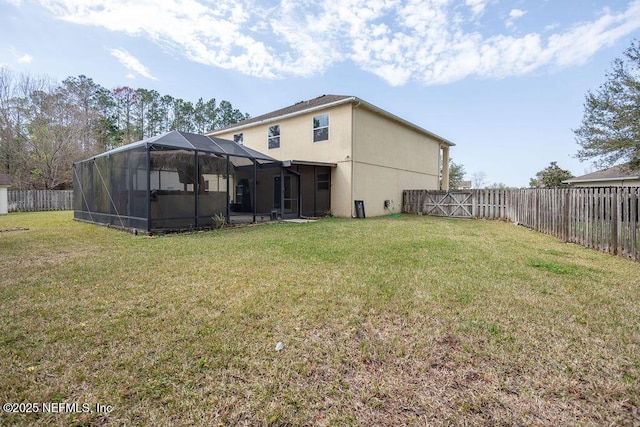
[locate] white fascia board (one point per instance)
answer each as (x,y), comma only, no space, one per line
(620,178)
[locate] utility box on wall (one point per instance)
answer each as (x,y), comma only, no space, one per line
(5,182)
(359,204)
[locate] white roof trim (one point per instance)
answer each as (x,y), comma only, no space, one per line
(620,178)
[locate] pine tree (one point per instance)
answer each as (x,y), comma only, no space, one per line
(610,130)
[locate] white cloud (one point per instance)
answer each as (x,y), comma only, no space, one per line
(513,15)
(477,6)
(25,59)
(426,41)
(132,64)
(22,58)
(516,13)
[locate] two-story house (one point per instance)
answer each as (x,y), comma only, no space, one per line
(337,150)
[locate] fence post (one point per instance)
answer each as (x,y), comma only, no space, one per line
(536,221)
(474,203)
(616,220)
(633,217)
(567,201)
(623,226)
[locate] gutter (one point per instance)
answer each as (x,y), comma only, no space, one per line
(620,178)
(290,163)
(358,102)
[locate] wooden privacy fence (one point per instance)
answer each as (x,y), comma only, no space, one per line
(606,219)
(40,200)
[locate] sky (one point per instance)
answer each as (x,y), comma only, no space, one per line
(504,80)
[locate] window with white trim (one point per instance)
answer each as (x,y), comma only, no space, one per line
(321,127)
(274,136)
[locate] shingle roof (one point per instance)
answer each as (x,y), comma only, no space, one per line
(291,109)
(5,179)
(612,173)
(319,102)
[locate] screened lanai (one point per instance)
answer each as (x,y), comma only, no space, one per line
(175,181)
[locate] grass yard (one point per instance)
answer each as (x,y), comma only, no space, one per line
(386,321)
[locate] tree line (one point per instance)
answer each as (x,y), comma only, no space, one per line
(45,126)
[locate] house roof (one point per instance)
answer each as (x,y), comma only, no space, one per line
(323,102)
(299,107)
(615,173)
(5,179)
(192,141)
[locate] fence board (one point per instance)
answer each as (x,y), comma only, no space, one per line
(40,200)
(607,219)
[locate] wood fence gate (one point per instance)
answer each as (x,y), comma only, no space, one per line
(444,203)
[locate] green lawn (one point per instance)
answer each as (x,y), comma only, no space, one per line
(387,321)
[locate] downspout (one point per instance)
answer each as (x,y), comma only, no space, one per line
(445,167)
(353,141)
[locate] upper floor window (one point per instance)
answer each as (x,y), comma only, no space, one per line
(238,138)
(321,127)
(274,136)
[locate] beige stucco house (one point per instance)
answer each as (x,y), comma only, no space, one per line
(616,176)
(337,150)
